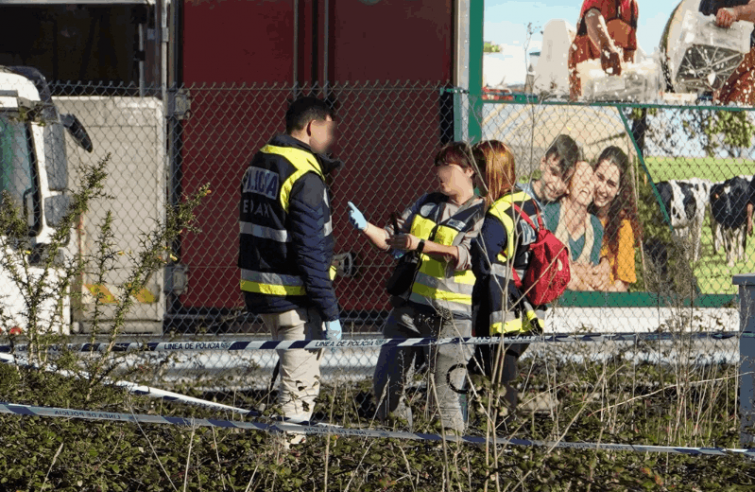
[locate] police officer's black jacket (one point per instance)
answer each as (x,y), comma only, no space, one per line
(286,239)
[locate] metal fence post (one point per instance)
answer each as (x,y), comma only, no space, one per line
(746,283)
(476,45)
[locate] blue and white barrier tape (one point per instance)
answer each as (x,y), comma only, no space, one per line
(156,393)
(15,409)
(240,346)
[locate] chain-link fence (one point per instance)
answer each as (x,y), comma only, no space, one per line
(670,270)
(687,195)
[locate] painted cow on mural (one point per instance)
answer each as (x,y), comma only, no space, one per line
(686,202)
(718,238)
(728,207)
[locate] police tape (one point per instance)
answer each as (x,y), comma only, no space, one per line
(169,396)
(253,345)
(39,411)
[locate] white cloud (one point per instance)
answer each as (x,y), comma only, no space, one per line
(507,67)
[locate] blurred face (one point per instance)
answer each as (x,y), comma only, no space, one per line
(582,185)
(322,134)
(454,180)
(554,181)
(607,179)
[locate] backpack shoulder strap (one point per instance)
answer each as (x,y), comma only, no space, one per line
(527,218)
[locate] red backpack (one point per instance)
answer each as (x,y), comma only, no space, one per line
(548,273)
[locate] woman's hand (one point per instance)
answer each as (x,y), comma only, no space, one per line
(578,277)
(601,276)
(403,242)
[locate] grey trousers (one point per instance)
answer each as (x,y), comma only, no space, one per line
(448,365)
(300,369)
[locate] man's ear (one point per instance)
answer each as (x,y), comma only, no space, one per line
(309,128)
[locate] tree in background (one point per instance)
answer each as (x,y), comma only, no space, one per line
(489,47)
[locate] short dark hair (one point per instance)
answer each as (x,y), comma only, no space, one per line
(306,109)
(455,153)
(565,149)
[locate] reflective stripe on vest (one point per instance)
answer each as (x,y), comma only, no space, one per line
(280,235)
(303,161)
(505,322)
(503,270)
(434,285)
(276,284)
(264,232)
(271,283)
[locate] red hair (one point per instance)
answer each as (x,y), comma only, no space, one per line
(497,166)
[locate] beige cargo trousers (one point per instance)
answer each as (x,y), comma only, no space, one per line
(300,368)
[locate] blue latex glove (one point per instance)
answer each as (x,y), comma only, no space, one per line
(333,331)
(357,218)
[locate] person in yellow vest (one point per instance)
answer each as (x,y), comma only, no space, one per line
(286,247)
(606,30)
(502,245)
(440,226)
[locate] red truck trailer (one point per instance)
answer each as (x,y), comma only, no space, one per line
(387,137)
(384,62)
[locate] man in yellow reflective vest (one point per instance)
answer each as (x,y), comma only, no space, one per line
(286,247)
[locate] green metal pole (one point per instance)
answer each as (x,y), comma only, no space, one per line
(476,44)
(645,168)
(458,120)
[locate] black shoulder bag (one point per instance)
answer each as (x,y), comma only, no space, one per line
(400,282)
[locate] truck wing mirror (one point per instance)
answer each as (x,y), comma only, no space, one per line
(77,131)
(28,204)
(56,208)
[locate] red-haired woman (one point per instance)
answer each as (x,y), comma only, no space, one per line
(503,244)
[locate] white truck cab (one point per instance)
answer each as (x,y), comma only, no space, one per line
(34,176)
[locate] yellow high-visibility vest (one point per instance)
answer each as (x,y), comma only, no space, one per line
(503,322)
(438,284)
(278,184)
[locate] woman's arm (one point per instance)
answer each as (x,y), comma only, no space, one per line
(600,278)
(409,242)
(580,277)
(624,266)
(486,246)
(460,256)
(377,236)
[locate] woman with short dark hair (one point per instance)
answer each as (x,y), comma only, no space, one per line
(439,227)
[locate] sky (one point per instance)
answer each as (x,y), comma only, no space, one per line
(506,25)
